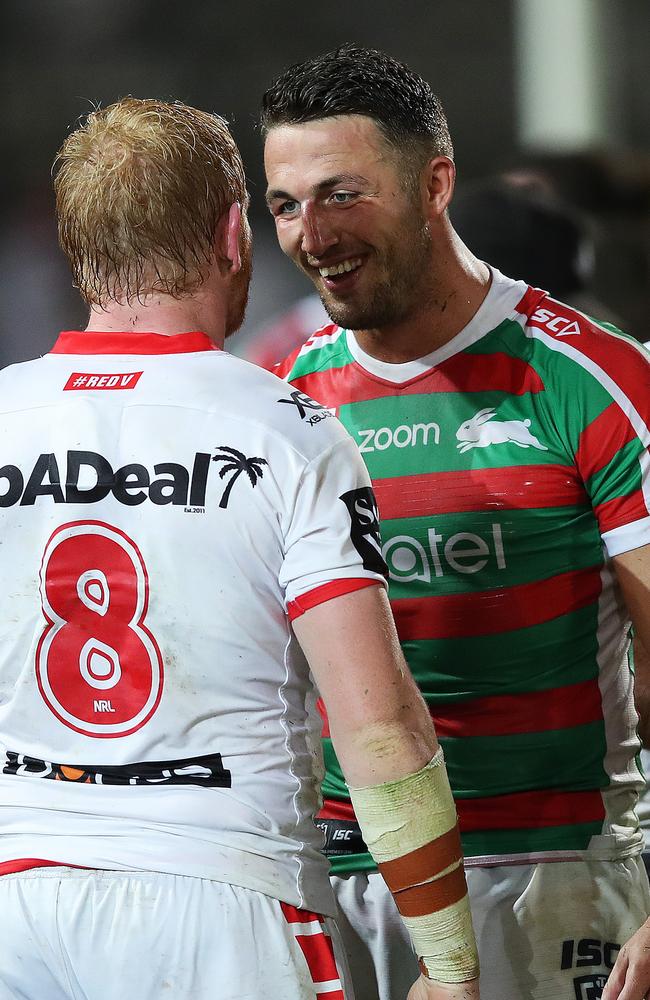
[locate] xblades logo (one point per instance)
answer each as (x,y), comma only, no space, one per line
(303,403)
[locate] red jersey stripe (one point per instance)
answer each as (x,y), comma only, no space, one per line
(530,300)
(526,712)
(92,342)
(529,810)
(621,511)
(466,373)
(507,714)
(326,592)
(489,612)
(600,441)
(320,705)
(516,811)
(318,951)
(296,915)
(513,488)
(319,955)
(337,809)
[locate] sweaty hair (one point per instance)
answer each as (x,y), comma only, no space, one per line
(140,188)
(355,81)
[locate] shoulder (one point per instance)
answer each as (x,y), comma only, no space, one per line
(569,338)
(318,352)
(19,381)
(281,411)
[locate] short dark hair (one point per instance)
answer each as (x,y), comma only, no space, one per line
(352,80)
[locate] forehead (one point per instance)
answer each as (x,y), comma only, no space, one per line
(300,155)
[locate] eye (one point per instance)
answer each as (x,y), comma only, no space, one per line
(289,207)
(342,197)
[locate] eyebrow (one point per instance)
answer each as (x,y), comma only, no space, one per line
(329,182)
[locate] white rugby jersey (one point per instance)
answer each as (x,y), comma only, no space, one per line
(165,509)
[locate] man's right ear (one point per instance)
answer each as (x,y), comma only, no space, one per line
(228,239)
(438,181)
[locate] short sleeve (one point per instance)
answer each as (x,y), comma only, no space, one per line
(613,461)
(332,540)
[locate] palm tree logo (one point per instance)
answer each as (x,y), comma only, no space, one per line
(236,463)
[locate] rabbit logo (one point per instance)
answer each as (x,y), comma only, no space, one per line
(481,430)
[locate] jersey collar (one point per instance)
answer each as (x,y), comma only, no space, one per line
(499,303)
(77,342)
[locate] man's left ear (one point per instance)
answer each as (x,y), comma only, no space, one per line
(439,177)
(230,228)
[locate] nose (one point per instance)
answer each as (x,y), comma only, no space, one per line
(317,233)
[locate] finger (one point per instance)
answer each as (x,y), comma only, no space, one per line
(616,979)
(636,985)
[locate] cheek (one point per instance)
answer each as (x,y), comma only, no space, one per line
(288,238)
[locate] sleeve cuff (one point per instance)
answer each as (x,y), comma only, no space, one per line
(326,592)
(627,537)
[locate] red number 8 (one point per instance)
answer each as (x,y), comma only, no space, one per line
(98,667)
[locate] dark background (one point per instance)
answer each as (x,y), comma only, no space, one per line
(62,57)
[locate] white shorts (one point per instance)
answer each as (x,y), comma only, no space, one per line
(73,934)
(545,932)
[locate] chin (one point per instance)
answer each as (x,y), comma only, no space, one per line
(347,315)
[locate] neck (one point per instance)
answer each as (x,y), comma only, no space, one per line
(461,284)
(204,310)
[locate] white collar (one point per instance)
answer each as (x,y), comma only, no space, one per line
(502,297)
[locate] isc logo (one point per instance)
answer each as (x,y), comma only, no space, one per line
(588,952)
(561,326)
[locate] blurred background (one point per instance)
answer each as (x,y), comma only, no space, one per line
(548,103)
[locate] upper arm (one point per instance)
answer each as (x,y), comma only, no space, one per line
(633,573)
(379,723)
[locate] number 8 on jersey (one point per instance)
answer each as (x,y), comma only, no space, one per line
(98,666)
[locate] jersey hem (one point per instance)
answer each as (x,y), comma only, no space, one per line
(268,879)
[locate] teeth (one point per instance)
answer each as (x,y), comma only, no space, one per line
(345,265)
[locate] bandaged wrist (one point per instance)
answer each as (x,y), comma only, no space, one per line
(411,829)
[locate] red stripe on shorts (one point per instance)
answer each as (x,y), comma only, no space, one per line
(25,864)
(318,951)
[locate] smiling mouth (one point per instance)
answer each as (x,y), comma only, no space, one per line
(333,270)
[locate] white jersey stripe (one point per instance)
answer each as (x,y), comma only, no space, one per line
(331,986)
(318,341)
(307,929)
(628,536)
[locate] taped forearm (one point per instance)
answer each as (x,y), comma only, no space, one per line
(411,829)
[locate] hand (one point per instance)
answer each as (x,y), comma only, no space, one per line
(429,989)
(630,977)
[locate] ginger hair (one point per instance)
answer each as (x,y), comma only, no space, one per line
(140,187)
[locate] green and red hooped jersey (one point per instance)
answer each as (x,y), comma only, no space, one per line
(509,466)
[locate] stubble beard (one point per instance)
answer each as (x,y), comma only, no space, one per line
(240,287)
(403,289)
